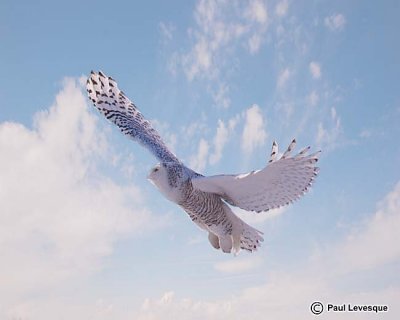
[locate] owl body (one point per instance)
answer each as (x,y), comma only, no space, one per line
(207,210)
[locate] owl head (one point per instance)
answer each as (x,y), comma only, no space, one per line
(158,176)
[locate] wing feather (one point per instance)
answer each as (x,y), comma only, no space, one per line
(281,182)
(116,107)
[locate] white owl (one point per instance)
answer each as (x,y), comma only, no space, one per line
(206,199)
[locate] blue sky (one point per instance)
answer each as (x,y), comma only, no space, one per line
(84,235)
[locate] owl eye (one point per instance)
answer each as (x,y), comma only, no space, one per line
(155,169)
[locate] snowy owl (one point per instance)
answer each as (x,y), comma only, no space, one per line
(284,179)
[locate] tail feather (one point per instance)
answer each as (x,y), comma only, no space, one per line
(251,238)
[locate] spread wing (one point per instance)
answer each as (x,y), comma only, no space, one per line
(116,107)
(281,182)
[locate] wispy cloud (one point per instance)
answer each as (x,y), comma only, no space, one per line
(222,28)
(329,133)
(220,139)
(254,133)
(199,161)
(254,43)
(313,98)
(281,8)
(335,22)
(315,69)
(221,96)
(257,12)
(211,152)
(210,149)
(365,134)
(167,30)
(283,78)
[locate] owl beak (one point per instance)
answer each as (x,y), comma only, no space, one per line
(149,177)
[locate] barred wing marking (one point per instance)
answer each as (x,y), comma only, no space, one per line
(281,182)
(115,106)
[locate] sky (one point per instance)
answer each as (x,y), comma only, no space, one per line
(84,235)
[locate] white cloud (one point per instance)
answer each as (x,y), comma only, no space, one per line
(241,264)
(283,297)
(56,306)
(315,69)
(379,234)
(199,161)
(254,134)
(283,78)
(59,215)
(281,8)
(220,139)
(170,307)
(253,218)
(335,22)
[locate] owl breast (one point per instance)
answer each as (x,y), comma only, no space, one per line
(171,181)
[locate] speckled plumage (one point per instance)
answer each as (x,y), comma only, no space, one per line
(205,199)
